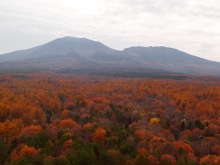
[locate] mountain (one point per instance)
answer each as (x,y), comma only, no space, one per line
(172,60)
(61,47)
(71,53)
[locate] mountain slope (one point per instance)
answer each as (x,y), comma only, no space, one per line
(60,47)
(172,59)
(81,53)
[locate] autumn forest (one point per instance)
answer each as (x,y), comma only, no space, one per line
(48,118)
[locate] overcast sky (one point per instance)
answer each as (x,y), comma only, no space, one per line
(192,26)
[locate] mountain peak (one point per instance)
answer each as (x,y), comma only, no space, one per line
(65,46)
(76,43)
(76,39)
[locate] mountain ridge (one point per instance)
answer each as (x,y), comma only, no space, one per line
(83,53)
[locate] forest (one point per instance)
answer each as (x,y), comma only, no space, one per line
(59,119)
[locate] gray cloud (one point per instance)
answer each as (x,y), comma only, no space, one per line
(189,25)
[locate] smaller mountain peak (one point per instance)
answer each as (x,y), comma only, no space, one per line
(150,48)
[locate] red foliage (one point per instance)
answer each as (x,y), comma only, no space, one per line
(69,124)
(31,131)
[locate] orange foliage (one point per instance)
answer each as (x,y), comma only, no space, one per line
(65,114)
(99,107)
(28,151)
(167,159)
(55,104)
(156,145)
(102,100)
(31,131)
(23,150)
(143,135)
(153,160)
(157,139)
(142,151)
(183,149)
(10,129)
(173,120)
(114,152)
(87,126)
(69,124)
(133,124)
(68,144)
(37,115)
(183,146)
(210,159)
(99,135)
(184,136)
(168,135)
(70,105)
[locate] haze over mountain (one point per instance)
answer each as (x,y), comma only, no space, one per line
(80,53)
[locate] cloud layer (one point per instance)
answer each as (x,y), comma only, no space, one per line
(190,25)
